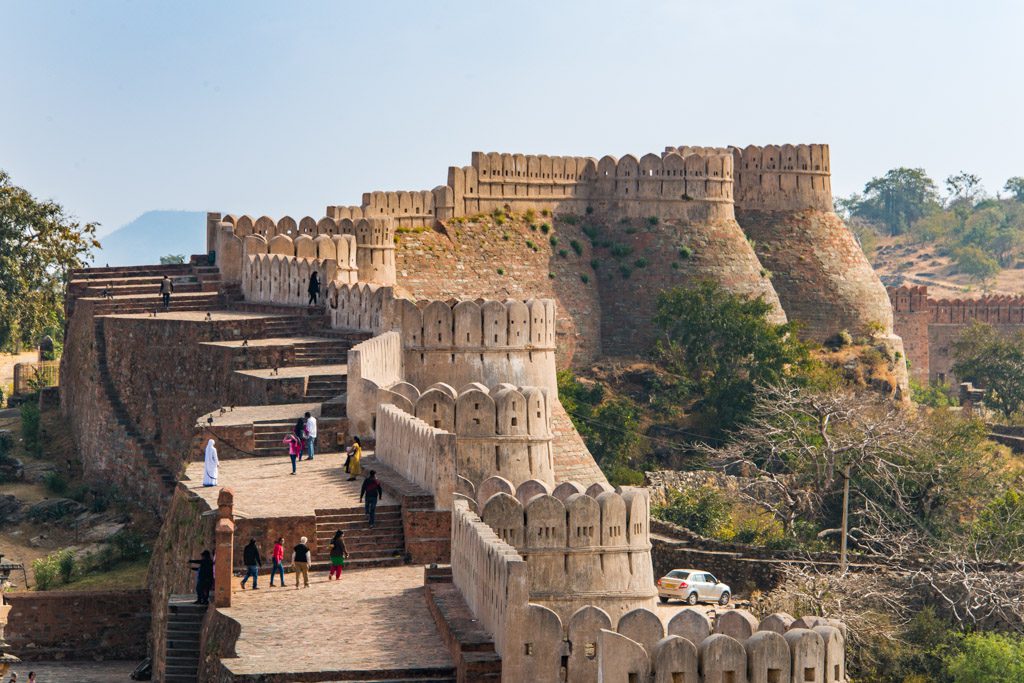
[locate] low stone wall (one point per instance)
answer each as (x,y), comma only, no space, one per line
(78,624)
(217,641)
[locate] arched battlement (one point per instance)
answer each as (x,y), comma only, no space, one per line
(407,209)
(782,177)
(283,279)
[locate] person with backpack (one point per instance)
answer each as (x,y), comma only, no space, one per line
(372,490)
(338,555)
(252,560)
(277,560)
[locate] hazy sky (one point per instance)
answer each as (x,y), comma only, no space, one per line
(115,108)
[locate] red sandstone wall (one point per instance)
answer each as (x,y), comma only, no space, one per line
(78,624)
(819,271)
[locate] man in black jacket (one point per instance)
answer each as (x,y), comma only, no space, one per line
(252,559)
(372,490)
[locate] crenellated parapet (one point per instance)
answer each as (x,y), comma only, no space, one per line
(993,309)
(783,177)
(284,279)
(374,241)
(406,209)
(581,548)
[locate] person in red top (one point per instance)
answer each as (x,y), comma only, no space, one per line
(294,448)
(277,556)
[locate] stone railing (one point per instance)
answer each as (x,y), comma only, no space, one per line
(418,452)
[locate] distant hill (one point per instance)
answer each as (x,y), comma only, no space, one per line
(152,235)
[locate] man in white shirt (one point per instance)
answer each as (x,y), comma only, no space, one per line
(310,434)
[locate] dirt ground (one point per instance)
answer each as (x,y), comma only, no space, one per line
(921,264)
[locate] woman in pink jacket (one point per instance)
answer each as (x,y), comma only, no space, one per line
(294,448)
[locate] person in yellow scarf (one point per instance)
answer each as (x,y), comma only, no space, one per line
(353,464)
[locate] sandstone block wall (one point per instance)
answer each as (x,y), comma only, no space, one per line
(373,365)
(420,453)
(783,178)
(78,624)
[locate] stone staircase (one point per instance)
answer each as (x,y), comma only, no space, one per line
(160,471)
(135,289)
(269,437)
(322,388)
(283,326)
(184,624)
(381,546)
(326,352)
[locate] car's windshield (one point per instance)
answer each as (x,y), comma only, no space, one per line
(676,574)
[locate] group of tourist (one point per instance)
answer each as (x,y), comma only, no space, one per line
(302,439)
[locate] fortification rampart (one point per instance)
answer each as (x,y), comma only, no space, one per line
(419,452)
(580,549)
(589,644)
(281,279)
(406,209)
(372,365)
(783,178)
(929,327)
(374,242)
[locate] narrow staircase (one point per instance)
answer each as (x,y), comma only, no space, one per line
(184,624)
(381,546)
(320,388)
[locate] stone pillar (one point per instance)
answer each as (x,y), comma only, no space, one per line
(225,547)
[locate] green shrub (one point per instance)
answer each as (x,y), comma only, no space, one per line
(47,571)
(590,210)
(584,278)
(55,483)
(501,271)
(66,563)
(652,220)
(129,546)
(504,236)
(6,443)
(704,511)
(591,232)
(545,228)
(933,394)
(545,212)
(621,250)
(564,253)
(625,271)
(685,252)
(631,230)
(988,658)
(30,428)
(553,240)
(576,246)
(533,226)
(551,276)
(594,263)
(640,262)
(530,215)
(569,219)
(531,245)
(624,475)
(675,265)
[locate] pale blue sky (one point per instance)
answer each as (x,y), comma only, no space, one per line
(115,108)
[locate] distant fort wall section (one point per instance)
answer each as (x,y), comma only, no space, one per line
(930,327)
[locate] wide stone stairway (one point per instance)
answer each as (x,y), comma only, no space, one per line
(381,546)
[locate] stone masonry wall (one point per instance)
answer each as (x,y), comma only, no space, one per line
(78,624)
(820,272)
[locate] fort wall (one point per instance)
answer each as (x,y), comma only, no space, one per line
(373,365)
(783,178)
(930,327)
(533,640)
(419,452)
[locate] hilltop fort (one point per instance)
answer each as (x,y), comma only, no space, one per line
(437,343)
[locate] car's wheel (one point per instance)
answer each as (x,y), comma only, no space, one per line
(724,600)
(691,599)
(663,598)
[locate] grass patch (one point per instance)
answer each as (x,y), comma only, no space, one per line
(124,576)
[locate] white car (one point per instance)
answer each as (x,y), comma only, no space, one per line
(693,586)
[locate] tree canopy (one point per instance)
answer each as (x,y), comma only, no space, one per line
(895,200)
(39,246)
(995,362)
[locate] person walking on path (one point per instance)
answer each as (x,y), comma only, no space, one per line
(166,287)
(211,463)
(310,435)
(277,558)
(372,490)
(294,449)
(300,560)
(353,465)
(299,430)
(338,555)
(314,288)
(251,558)
(204,581)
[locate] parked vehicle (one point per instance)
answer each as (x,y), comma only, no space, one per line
(693,586)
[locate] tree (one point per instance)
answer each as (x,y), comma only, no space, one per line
(723,345)
(897,199)
(964,188)
(1015,186)
(988,658)
(39,246)
(172,259)
(976,263)
(993,361)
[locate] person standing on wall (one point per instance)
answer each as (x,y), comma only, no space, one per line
(310,432)
(300,561)
(338,555)
(314,288)
(353,464)
(277,557)
(166,287)
(372,490)
(251,558)
(294,449)
(204,581)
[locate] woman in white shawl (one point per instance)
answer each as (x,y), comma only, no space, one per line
(210,466)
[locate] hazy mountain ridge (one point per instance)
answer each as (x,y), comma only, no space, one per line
(152,235)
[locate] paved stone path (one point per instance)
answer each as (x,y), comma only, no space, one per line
(197,315)
(243,415)
(76,672)
(296,371)
(264,488)
(373,619)
(269,341)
